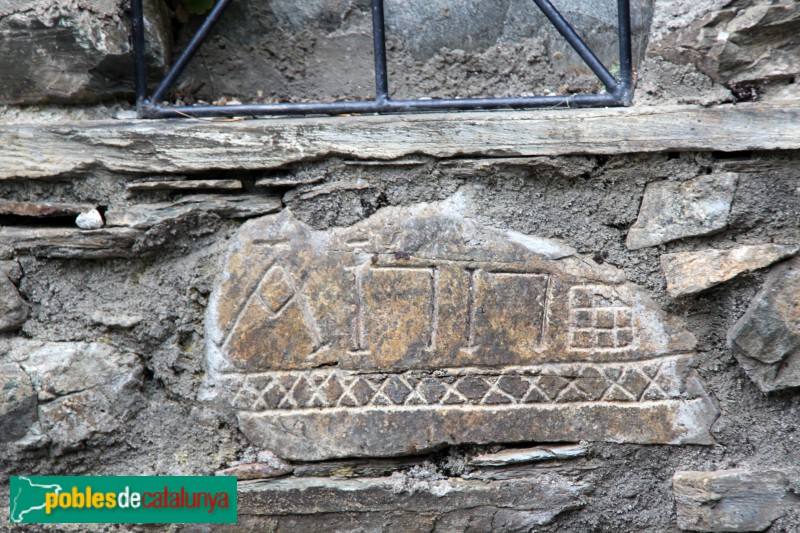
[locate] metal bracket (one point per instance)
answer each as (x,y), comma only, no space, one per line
(619,89)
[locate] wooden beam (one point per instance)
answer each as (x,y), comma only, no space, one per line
(187,146)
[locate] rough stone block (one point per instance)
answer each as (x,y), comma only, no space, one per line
(693,272)
(731,500)
(672,210)
(83,389)
(746,44)
(17,402)
(418,327)
(74,52)
(12,270)
(13,309)
(766,340)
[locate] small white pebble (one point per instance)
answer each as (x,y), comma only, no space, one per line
(90,220)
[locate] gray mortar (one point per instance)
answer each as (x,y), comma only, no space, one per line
(291,51)
(305,51)
(589,202)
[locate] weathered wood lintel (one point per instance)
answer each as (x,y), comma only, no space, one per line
(186,146)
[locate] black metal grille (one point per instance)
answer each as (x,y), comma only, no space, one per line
(619,89)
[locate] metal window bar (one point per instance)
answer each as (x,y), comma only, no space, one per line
(619,90)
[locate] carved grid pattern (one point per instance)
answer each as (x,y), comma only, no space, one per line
(623,382)
(599,320)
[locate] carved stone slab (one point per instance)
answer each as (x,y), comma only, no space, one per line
(419,327)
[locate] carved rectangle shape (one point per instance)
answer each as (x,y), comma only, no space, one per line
(509,312)
(599,320)
(396,313)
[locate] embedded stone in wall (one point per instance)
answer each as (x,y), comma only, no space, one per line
(184,185)
(514,456)
(13,309)
(67,52)
(17,402)
(11,270)
(693,272)
(402,503)
(82,389)
(731,500)
(766,340)
(71,243)
(143,216)
(419,327)
(260,470)
(41,209)
(744,45)
(673,210)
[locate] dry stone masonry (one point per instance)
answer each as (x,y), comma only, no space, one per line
(582,320)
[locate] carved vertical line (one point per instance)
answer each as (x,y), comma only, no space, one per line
(360,334)
(357,331)
(548,295)
(354,333)
(471,296)
(434,307)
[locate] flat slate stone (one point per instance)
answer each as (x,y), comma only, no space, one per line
(253,471)
(529,455)
(766,340)
(731,500)
(403,503)
(287,181)
(70,243)
(142,216)
(42,209)
(674,210)
(418,327)
(80,148)
(177,185)
(693,272)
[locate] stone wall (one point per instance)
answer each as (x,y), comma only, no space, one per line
(684,52)
(411,323)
